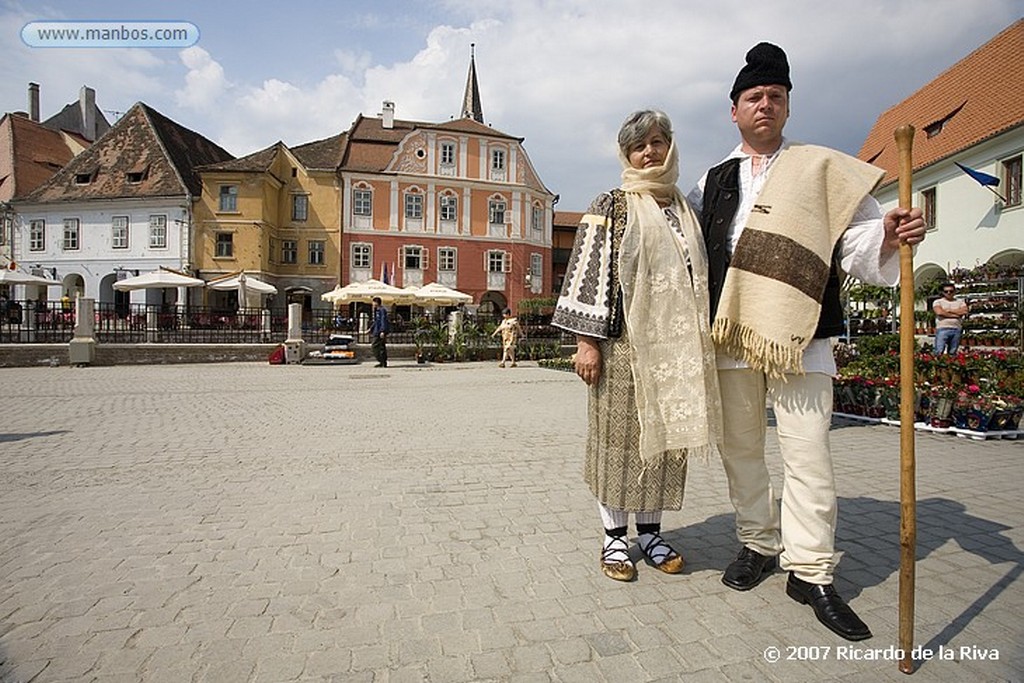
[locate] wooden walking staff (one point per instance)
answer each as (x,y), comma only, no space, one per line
(908,494)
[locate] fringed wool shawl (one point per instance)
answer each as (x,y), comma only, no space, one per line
(771,297)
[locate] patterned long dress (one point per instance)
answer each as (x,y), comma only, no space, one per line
(612,468)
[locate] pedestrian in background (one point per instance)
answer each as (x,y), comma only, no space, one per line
(510,331)
(949,319)
(378,332)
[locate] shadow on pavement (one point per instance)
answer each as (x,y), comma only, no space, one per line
(7,438)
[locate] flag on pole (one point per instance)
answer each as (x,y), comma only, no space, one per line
(983,178)
(383,272)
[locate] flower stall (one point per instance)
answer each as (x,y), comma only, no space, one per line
(973,393)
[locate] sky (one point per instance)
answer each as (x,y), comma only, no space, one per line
(563,75)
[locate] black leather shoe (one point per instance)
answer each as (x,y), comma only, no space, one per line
(748,569)
(830,609)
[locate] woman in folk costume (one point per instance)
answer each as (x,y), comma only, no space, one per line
(635,293)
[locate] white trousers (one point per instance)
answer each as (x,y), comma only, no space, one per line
(805,535)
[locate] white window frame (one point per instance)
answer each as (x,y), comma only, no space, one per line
(497,261)
(72,235)
(317,252)
(362,255)
(414,205)
(449,207)
(448,152)
(362,201)
(498,159)
(37,235)
(415,253)
(158,231)
(119,232)
(447,259)
(537,218)
(536,265)
(493,213)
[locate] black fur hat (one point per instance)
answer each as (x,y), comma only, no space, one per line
(766,65)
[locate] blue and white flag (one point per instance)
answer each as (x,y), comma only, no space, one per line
(984,178)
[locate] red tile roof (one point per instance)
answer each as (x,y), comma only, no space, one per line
(568,218)
(977,98)
(38,152)
(143,141)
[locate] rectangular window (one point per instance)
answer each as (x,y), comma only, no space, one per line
(1012,181)
(36,235)
(447,153)
(537,219)
(119,232)
(536,265)
(413,258)
(449,207)
(362,202)
(316,252)
(496,213)
(446,259)
(300,207)
(70,234)
(414,206)
(496,262)
(928,207)
(289,251)
(158,232)
(228,198)
(362,255)
(225,245)
(498,160)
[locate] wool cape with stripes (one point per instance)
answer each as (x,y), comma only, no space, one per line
(771,297)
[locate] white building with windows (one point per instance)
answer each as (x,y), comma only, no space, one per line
(971,114)
(121,207)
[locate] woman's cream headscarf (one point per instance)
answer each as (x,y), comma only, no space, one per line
(667,317)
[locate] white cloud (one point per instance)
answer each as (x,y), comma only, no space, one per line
(205,82)
(562,74)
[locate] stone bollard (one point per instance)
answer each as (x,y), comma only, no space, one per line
(82,347)
(294,345)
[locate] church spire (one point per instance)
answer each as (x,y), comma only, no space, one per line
(471,107)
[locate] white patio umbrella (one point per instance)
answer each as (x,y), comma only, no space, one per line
(14,277)
(158,279)
(365,292)
(245,284)
(436,294)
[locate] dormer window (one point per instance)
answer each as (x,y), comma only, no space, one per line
(935,127)
(136,176)
(83,178)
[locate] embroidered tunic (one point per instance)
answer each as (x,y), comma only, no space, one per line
(590,305)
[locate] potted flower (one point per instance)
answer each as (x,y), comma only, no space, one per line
(943,398)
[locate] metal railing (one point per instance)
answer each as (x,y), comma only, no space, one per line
(28,322)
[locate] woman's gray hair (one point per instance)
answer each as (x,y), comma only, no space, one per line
(638,124)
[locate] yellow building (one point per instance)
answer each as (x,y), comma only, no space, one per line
(274,214)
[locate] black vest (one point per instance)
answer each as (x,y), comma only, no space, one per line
(721,201)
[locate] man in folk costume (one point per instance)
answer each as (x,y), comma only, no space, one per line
(781,220)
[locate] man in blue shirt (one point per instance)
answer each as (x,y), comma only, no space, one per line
(378,332)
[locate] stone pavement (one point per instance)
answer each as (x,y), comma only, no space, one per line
(248,522)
